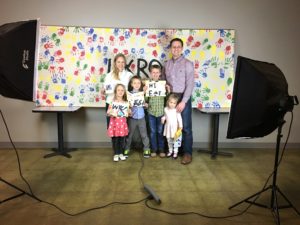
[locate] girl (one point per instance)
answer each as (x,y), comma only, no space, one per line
(173,125)
(117,128)
(118,75)
(137,119)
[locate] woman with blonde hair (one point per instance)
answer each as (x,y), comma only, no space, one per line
(118,75)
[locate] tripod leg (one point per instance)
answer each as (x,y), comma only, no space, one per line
(12,197)
(247,199)
(288,201)
(13,186)
(274,206)
(18,195)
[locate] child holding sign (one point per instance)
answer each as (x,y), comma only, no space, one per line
(117,128)
(137,119)
(118,75)
(173,126)
(155,98)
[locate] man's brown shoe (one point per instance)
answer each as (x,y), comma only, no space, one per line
(187,158)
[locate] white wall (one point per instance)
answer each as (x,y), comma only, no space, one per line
(266,30)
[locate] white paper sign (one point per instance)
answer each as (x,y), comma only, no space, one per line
(136,99)
(155,88)
(109,89)
(119,109)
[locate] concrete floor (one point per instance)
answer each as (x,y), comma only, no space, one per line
(91,179)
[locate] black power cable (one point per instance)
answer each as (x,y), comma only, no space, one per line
(17,154)
(248,207)
(52,204)
(146,200)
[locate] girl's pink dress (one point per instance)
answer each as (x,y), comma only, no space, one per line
(117,127)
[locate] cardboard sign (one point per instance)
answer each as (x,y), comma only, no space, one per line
(109,89)
(119,109)
(156,88)
(136,99)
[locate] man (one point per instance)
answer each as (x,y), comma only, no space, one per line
(179,73)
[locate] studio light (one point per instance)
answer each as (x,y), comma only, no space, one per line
(18,44)
(18,50)
(260,101)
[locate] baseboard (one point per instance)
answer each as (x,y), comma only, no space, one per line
(204,145)
(54,144)
(256,145)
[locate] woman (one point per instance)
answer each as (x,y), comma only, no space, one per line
(118,75)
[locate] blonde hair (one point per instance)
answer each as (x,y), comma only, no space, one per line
(173,97)
(115,69)
(124,98)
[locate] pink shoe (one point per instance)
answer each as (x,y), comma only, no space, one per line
(169,154)
(175,156)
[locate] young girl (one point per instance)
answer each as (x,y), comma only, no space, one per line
(137,119)
(173,125)
(117,128)
(118,75)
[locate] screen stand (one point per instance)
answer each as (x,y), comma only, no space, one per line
(274,207)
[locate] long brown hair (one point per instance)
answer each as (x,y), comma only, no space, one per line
(115,69)
(125,94)
(135,77)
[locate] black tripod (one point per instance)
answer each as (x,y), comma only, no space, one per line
(274,188)
(22,192)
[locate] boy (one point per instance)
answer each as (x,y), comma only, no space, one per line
(155,113)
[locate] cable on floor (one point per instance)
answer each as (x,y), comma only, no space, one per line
(31,194)
(146,200)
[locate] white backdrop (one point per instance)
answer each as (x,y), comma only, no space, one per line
(265,30)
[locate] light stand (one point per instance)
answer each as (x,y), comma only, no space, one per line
(22,192)
(274,188)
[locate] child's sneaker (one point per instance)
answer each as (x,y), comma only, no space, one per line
(153,154)
(122,157)
(146,153)
(126,153)
(175,155)
(169,154)
(162,155)
(116,158)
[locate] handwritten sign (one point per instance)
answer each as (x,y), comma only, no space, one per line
(119,109)
(136,99)
(109,89)
(155,88)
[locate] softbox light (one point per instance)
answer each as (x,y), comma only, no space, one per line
(259,103)
(260,98)
(18,44)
